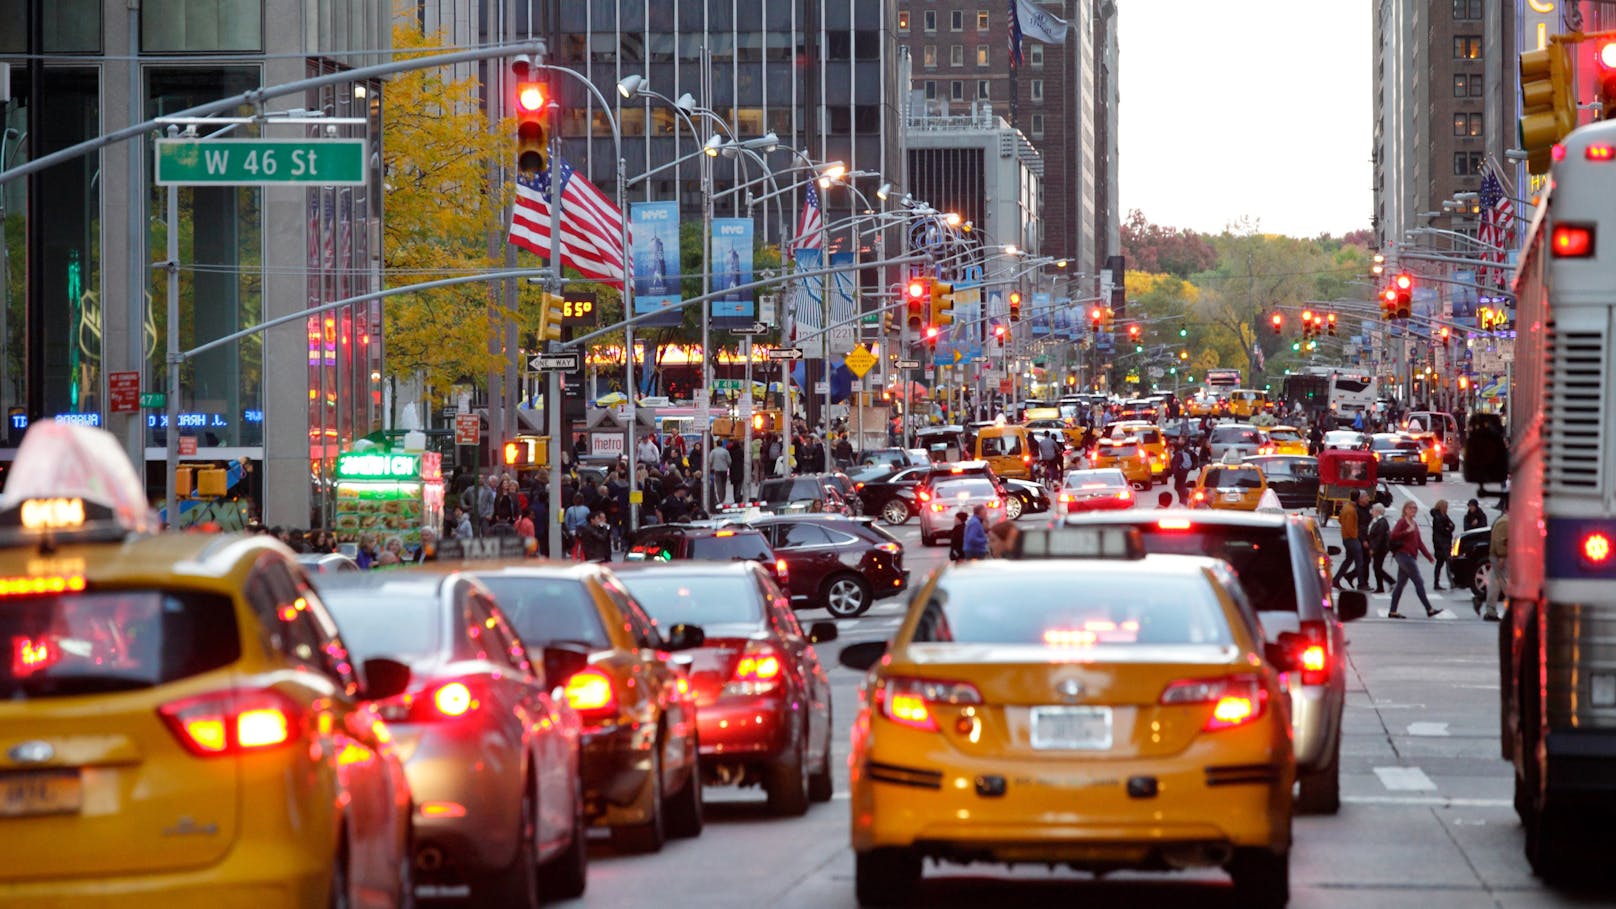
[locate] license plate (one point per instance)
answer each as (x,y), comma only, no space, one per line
(33,793)
(1071,728)
(1232,497)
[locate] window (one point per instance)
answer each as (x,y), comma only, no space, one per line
(956,21)
(1035,54)
(1037,126)
(956,55)
(1466,124)
(981,20)
(1467,164)
(903,21)
(796,536)
(930,21)
(982,55)
(928,55)
(177,26)
(1467,9)
(1035,90)
(1467,85)
(1467,47)
(982,89)
(931,90)
(956,90)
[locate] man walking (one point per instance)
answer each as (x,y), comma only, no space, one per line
(1349,542)
(976,535)
(1498,551)
(718,468)
(1405,545)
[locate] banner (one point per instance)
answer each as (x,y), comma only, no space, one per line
(843,307)
(656,261)
(1462,294)
(732,268)
(804,306)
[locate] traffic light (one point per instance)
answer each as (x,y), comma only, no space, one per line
(1134,332)
(1278,321)
(1096,319)
(932,332)
(887,322)
(1330,324)
(942,304)
(1378,266)
(1307,324)
(1404,284)
(1605,59)
(1015,306)
(1183,332)
(1548,103)
(915,297)
(999,332)
(551,308)
(1443,334)
(532,138)
(1388,304)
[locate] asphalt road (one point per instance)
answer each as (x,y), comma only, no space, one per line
(1426,820)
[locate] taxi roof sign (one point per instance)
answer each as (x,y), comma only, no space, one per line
(68,477)
(1080,543)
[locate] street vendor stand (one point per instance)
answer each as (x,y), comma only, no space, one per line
(388,494)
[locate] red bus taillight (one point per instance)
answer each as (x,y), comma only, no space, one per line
(1572,241)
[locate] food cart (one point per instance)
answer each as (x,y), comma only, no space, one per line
(388,494)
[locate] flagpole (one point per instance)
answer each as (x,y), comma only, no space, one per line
(552,392)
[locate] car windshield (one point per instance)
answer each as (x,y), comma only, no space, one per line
(1227,434)
(1000,446)
(966,488)
(1049,609)
(1096,479)
(1260,556)
(383,623)
(548,610)
(1227,477)
(727,545)
(672,599)
(88,643)
(796,489)
(1284,435)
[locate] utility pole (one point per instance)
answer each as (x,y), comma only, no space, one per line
(552,378)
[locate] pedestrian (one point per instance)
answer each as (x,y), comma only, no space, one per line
(956,536)
(1350,543)
(1498,552)
(366,556)
(1379,545)
(1366,520)
(975,544)
(597,538)
(737,472)
(647,452)
(1441,539)
(718,467)
(1002,539)
(1405,545)
(462,524)
(575,517)
(506,504)
(1474,516)
(1183,462)
(486,494)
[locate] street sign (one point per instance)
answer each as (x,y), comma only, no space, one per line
(606,444)
(468,429)
(860,360)
(562,362)
(702,400)
(908,364)
(756,328)
(857,385)
(785,353)
(123,392)
(153,399)
(821,387)
(727,384)
(744,406)
(250,162)
(187,445)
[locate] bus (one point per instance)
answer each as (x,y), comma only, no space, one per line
(1348,392)
(1557,642)
(1221,381)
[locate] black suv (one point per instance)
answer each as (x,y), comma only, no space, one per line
(710,541)
(811,494)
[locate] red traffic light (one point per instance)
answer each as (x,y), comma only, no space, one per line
(917,289)
(530,96)
(1443,334)
(932,332)
(1097,315)
(1606,55)
(998,331)
(1133,332)
(1403,281)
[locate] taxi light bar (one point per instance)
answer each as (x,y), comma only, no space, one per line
(1236,700)
(231,722)
(590,691)
(52,514)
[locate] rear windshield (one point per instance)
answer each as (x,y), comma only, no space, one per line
(1099,479)
(789,490)
(980,489)
(1260,556)
(726,546)
(1223,477)
(1150,437)
(1000,446)
(1051,610)
(124,640)
(1225,434)
(1119,451)
(717,600)
(381,623)
(548,610)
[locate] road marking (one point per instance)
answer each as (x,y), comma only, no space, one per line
(1404,779)
(1435,800)
(1427,728)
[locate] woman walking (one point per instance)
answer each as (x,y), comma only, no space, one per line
(1379,545)
(1405,545)
(1441,539)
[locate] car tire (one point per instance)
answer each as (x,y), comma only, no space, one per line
(786,781)
(1479,578)
(847,596)
(927,539)
(821,785)
(885,877)
(566,876)
(1422,480)
(1012,506)
(1262,878)
(684,809)
(517,884)
(895,512)
(1319,791)
(652,833)
(1437,478)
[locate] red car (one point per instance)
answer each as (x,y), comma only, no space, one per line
(1101,489)
(762,697)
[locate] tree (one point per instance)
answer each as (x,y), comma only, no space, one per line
(444,202)
(1164,250)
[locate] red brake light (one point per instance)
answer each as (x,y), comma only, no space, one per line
(781,571)
(1312,656)
(1600,152)
(994,503)
(1596,547)
(1125,495)
(1026,459)
(1067,497)
(230,722)
(923,495)
(453,699)
(590,691)
(1173,523)
(909,701)
(758,671)
(1572,241)
(31,655)
(1235,700)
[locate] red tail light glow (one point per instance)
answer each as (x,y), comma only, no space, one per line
(31,655)
(1600,152)
(782,572)
(1125,495)
(1173,523)
(1572,241)
(758,671)
(231,722)
(590,691)
(909,701)
(923,495)
(1236,700)
(1312,657)
(453,699)
(1596,547)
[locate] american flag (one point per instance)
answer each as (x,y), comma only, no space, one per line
(1015,35)
(1497,229)
(591,226)
(812,222)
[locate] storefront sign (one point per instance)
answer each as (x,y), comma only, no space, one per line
(371,466)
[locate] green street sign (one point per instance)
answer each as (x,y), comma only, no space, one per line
(252,162)
(153,399)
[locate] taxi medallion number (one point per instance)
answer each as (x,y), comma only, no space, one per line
(33,793)
(1071,728)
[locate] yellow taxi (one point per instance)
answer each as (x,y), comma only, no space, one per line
(1431,454)
(180,723)
(1007,449)
(1230,485)
(1202,405)
(1285,440)
(1149,438)
(1127,455)
(1118,713)
(1245,403)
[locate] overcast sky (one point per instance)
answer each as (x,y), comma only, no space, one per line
(1257,108)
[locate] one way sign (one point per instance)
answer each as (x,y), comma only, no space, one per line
(561,362)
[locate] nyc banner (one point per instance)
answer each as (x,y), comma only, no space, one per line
(656,262)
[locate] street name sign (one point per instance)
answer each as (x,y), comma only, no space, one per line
(251,162)
(756,328)
(785,353)
(908,364)
(563,362)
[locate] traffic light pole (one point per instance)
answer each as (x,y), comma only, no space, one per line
(552,378)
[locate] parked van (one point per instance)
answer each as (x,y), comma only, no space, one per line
(1007,449)
(1443,426)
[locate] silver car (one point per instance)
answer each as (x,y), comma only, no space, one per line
(1241,438)
(945,497)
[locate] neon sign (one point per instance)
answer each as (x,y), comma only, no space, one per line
(369,466)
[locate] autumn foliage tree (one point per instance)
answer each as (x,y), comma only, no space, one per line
(1156,249)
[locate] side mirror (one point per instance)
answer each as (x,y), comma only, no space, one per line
(562,663)
(385,678)
(822,632)
(862,656)
(1351,605)
(684,637)
(1333,550)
